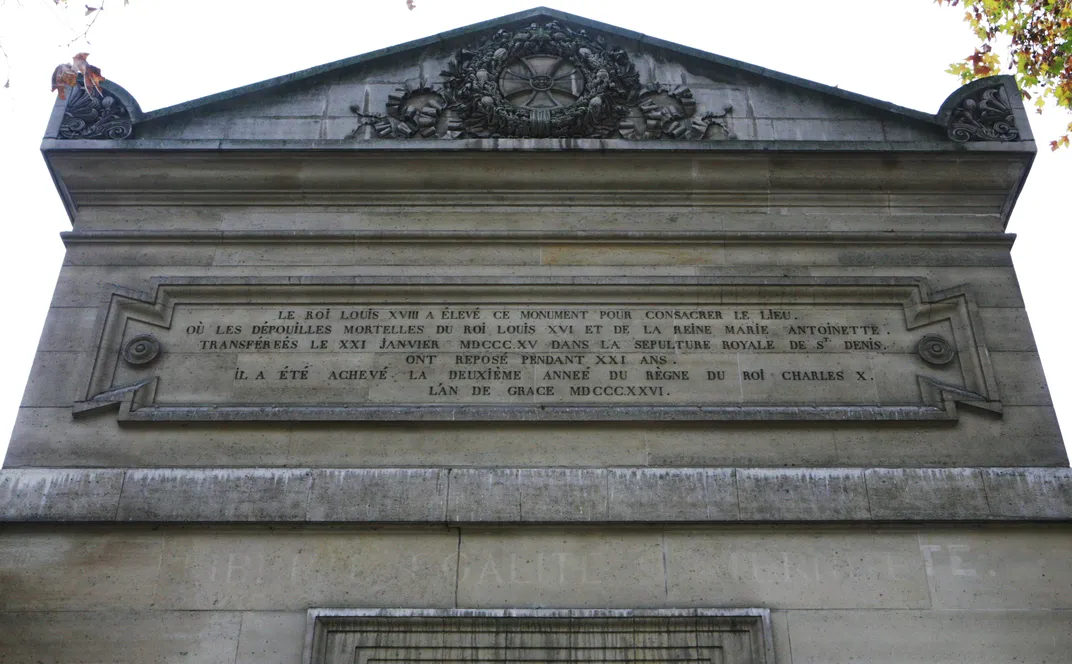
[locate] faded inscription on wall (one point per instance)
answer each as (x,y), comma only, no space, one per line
(541,355)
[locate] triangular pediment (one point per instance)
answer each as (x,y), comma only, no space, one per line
(540,74)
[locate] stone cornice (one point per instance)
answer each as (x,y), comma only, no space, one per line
(501,496)
(79,237)
(983,181)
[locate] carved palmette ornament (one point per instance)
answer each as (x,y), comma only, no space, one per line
(93,116)
(542,81)
(983,116)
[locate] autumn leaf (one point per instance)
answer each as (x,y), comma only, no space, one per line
(64,76)
(1035,37)
(410,5)
(91,76)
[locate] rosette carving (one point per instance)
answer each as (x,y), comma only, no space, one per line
(90,116)
(543,81)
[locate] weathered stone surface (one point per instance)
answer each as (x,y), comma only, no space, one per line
(271,637)
(1016,492)
(804,495)
(1022,436)
(563,495)
(214,495)
(917,493)
(378,495)
(50,383)
(918,637)
(665,495)
(68,329)
(988,570)
(484,495)
(61,495)
(568,569)
(79,570)
(290,570)
(40,637)
(1021,379)
(794,569)
(537,495)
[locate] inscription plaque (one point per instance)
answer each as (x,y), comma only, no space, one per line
(452,351)
(402,637)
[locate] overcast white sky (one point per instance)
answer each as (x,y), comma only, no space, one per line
(168,51)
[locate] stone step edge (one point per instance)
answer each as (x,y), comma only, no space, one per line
(533,495)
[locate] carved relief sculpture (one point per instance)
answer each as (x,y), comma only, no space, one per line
(94,116)
(543,81)
(983,116)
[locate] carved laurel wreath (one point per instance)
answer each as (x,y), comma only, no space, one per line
(555,62)
(542,81)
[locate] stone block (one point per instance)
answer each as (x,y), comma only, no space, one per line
(602,254)
(56,494)
(778,101)
(1022,436)
(214,495)
(287,253)
(456,254)
(802,494)
(557,495)
(999,569)
(51,437)
(271,637)
(77,570)
(560,568)
(678,494)
(458,444)
(54,380)
(484,494)
(1029,492)
(69,329)
(291,570)
(737,444)
(308,99)
(279,128)
(925,637)
(120,253)
(792,129)
(794,568)
(378,495)
(1020,379)
(1007,329)
(926,493)
(780,636)
(39,637)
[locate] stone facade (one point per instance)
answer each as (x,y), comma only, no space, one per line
(540,331)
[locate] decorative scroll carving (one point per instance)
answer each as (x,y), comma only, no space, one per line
(543,81)
(985,115)
(95,117)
